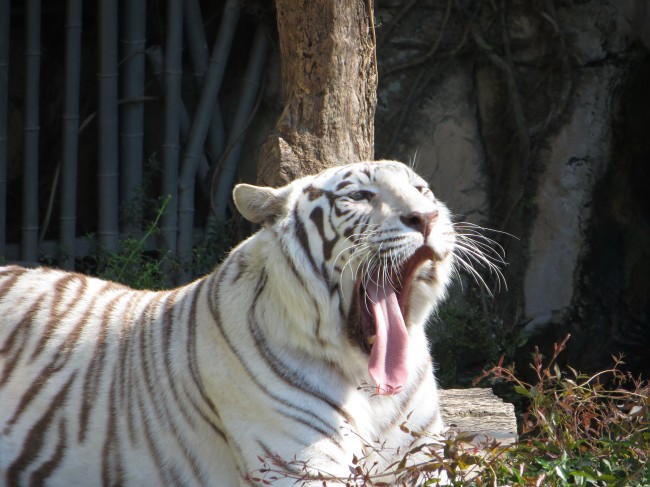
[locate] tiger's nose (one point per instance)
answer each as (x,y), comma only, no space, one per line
(422,222)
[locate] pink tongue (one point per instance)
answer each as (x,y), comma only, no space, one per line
(387,365)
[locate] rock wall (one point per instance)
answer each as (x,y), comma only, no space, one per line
(515,111)
(575,159)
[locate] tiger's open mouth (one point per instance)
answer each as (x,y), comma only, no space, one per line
(381,314)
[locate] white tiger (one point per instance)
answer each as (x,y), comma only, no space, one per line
(265,358)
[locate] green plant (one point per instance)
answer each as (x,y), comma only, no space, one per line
(218,237)
(463,341)
(132,264)
(579,430)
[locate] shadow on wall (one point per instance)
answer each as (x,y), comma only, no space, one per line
(612,305)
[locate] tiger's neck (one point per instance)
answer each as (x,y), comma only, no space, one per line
(290,306)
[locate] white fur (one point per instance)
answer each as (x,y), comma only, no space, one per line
(188,387)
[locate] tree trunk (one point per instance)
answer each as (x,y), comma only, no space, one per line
(329,82)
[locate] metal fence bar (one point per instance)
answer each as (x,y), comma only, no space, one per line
(156,62)
(68,214)
(251,86)
(31,130)
(200,125)
(171,144)
(119,121)
(132,113)
(108,175)
(200,57)
(5,10)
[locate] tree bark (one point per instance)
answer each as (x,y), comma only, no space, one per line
(329,82)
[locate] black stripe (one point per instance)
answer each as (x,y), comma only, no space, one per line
(355,218)
(18,339)
(171,476)
(153,380)
(342,185)
(145,350)
(242,267)
(169,321)
(35,439)
(151,444)
(312,192)
(303,240)
(195,371)
(15,273)
(57,317)
(39,475)
(59,361)
(126,363)
(216,315)
(92,380)
(302,284)
(317,216)
(112,472)
(281,369)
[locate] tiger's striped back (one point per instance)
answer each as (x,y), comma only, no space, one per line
(98,381)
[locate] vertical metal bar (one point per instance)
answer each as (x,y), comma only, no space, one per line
(201,123)
(68,216)
(156,62)
(132,113)
(107,125)
(196,43)
(250,88)
(200,56)
(5,11)
(171,145)
(31,131)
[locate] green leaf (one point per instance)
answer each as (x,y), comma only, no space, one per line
(523,391)
(607,464)
(607,478)
(582,473)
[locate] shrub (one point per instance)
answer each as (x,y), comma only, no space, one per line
(579,429)
(582,430)
(132,264)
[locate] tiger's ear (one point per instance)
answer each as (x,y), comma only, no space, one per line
(259,204)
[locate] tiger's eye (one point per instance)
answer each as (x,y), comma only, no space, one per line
(361,195)
(424,190)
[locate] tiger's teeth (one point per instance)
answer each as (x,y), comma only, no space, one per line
(371,340)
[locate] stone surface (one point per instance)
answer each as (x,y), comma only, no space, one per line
(637,14)
(478,411)
(448,147)
(576,158)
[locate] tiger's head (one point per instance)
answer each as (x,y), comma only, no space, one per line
(379,249)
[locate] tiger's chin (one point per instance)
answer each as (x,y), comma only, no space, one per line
(384,309)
